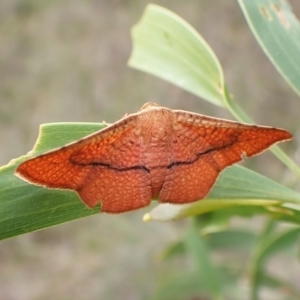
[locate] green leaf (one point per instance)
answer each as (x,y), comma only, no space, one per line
(166,46)
(25,207)
(173,250)
(278,32)
(268,245)
(232,239)
(55,135)
(286,288)
(237,187)
(206,271)
(225,240)
(276,244)
(182,285)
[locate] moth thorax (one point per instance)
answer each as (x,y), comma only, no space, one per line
(157,125)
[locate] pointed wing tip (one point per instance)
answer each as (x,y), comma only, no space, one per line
(289,136)
(22,172)
(276,134)
(19,172)
(284,135)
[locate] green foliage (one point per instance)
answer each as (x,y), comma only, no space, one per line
(282,41)
(238,192)
(174,54)
(168,47)
(24,207)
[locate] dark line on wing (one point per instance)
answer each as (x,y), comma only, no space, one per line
(198,156)
(109,166)
(143,168)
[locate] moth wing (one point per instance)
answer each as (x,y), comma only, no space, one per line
(104,167)
(204,146)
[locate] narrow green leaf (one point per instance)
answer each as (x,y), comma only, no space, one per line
(207,272)
(166,46)
(278,243)
(183,285)
(278,32)
(232,239)
(286,288)
(173,250)
(268,245)
(25,207)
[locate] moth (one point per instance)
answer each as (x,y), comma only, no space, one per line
(172,155)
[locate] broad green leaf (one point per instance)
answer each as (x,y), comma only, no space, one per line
(25,207)
(237,187)
(55,135)
(278,32)
(168,47)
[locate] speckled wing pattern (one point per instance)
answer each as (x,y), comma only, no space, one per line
(204,146)
(104,168)
(174,155)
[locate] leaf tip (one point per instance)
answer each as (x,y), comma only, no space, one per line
(147,217)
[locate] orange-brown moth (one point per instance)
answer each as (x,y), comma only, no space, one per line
(173,155)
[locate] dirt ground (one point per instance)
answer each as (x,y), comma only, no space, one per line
(66,61)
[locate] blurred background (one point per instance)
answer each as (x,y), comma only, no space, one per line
(66,61)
